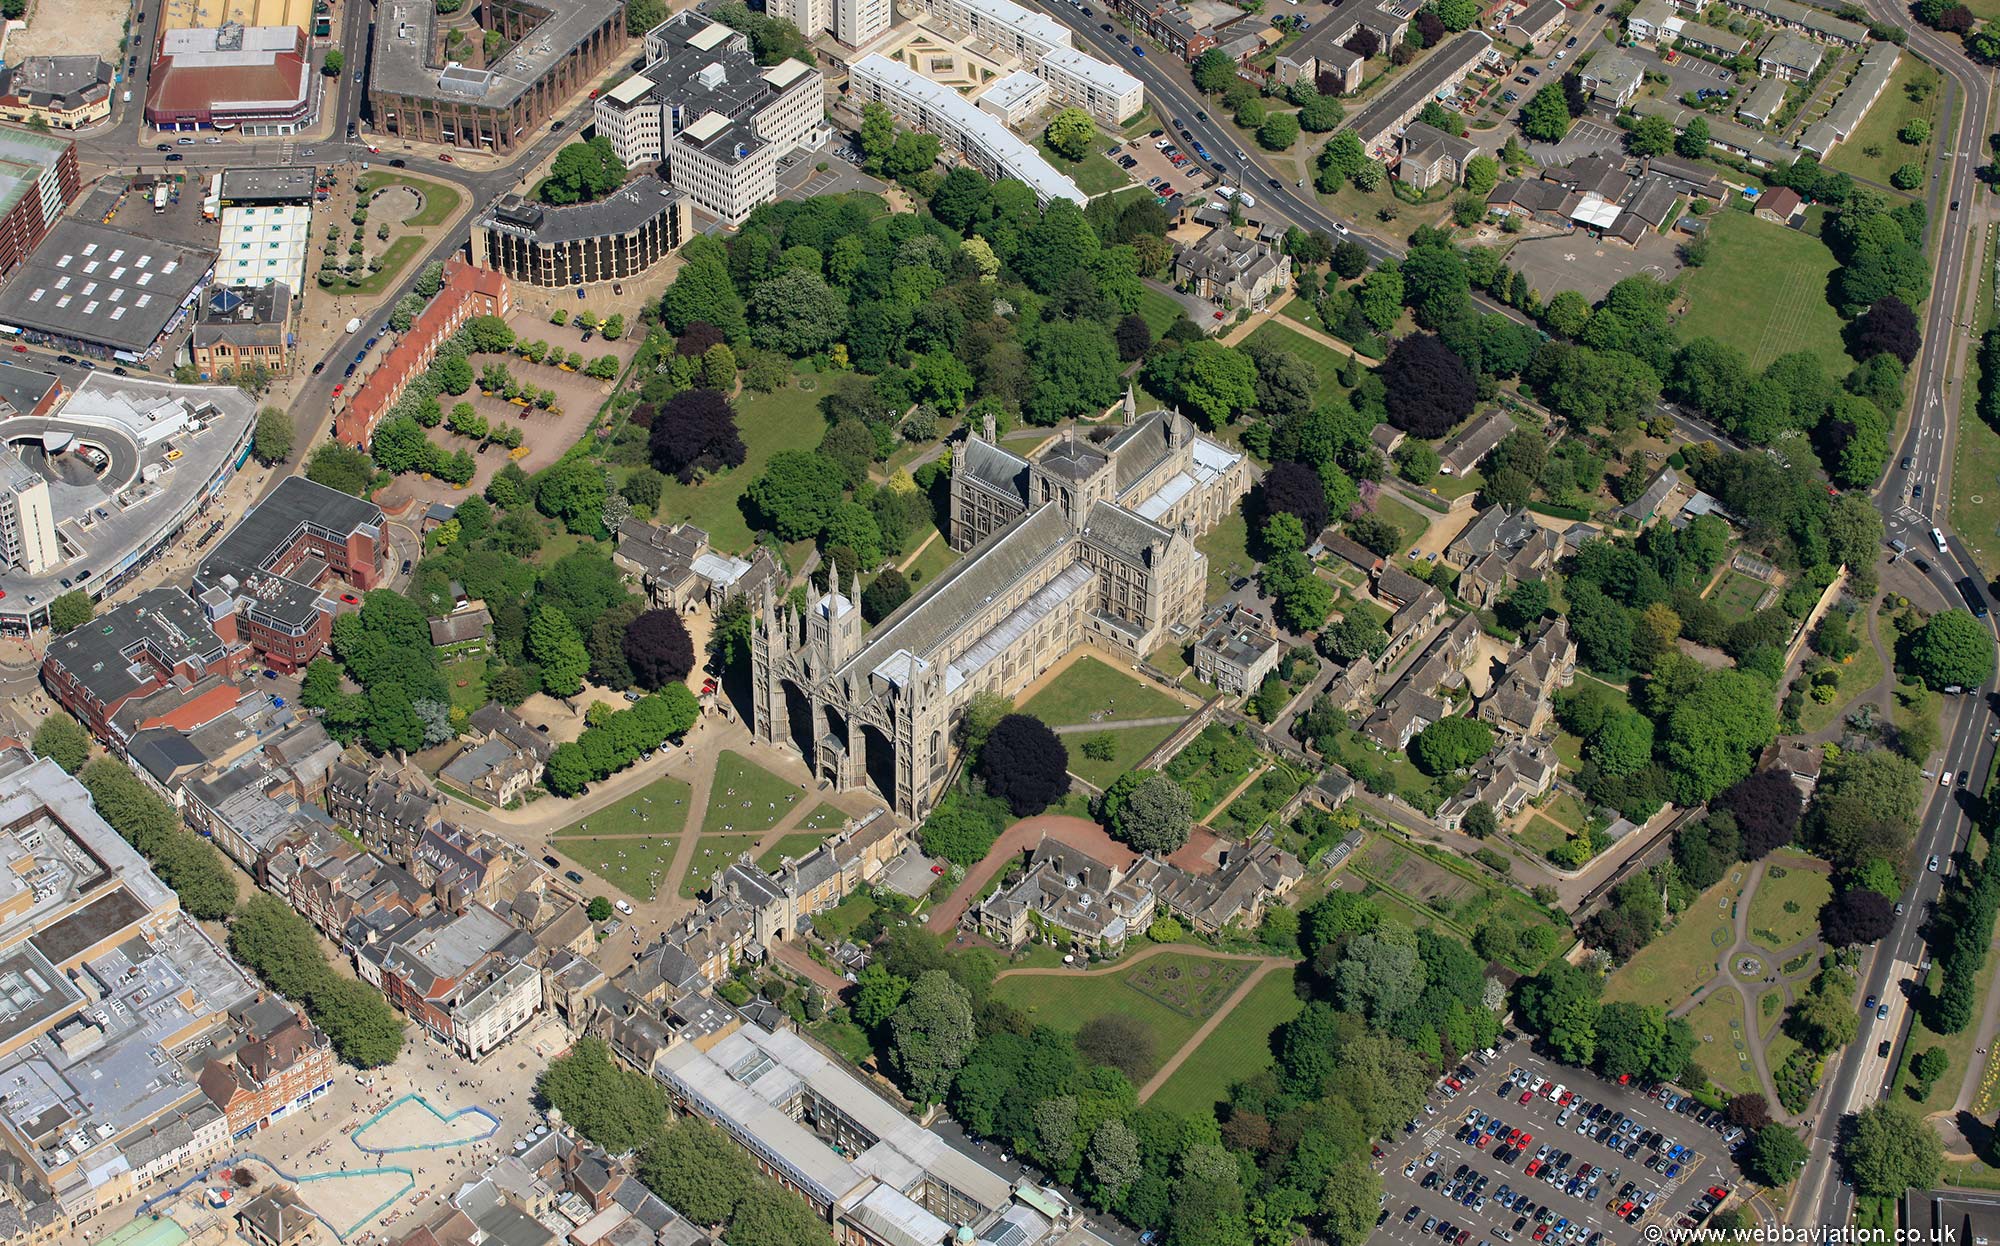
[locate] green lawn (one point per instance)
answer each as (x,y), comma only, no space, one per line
(1567,811)
(1067,1001)
(1408,519)
(1158,310)
(838,922)
(786,420)
(1787,904)
(1094,174)
(1541,835)
(746,797)
(466,680)
(398,255)
(1296,308)
(711,853)
(1720,1043)
(1133,744)
(441,199)
(1975,476)
(1736,595)
(1763,290)
(844,1037)
(633,865)
(1324,359)
(1668,969)
(930,564)
(660,809)
(1891,112)
(826,818)
(1858,675)
(795,846)
(1237,1049)
(1089,690)
(1227,545)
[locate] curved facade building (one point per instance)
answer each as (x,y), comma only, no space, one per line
(614,239)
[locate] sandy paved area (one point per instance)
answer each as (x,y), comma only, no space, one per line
(70,28)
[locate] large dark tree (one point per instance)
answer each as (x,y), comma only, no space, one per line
(1295,489)
(1856,916)
(659,649)
(1749,1112)
(695,431)
(1025,764)
(1429,387)
(697,338)
(1887,327)
(884,594)
(1767,809)
(1364,43)
(1133,336)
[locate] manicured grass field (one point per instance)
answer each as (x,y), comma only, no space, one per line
(1408,519)
(1067,1001)
(1133,745)
(931,563)
(1305,313)
(1566,810)
(1763,290)
(824,819)
(1089,690)
(660,809)
(746,797)
(1541,835)
(398,254)
(711,853)
(1237,1049)
(1737,594)
(794,846)
(1227,545)
(786,420)
(1324,359)
(1720,1043)
(635,866)
(1891,112)
(471,673)
(1158,310)
(441,199)
(1786,906)
(1668,969)
(1094,174)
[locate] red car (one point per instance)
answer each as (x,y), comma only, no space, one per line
(338,388)
(446,157)
(1526,1139)
(937,869)
(1719,1191)
(1541,1231)
(350,599)
(1482,1140)
(1526,1096)
(1534,1166)
(1568,1095)
(20,349)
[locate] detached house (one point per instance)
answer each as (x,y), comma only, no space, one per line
(1232,271)
(1499,548)
(1523,771)
(1524,696)
(1069,890)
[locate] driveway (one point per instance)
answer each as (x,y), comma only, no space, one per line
(1079,833)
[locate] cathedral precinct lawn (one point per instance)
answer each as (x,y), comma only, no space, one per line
(1238,1048)
(711,853)
(746,797)
(825,819)
(636,866)
(786,420)
(1158,310)
(794,846)
(1093,691)
(1195,984)
(1786,907)
(1227,545)
(1667,970)
(663,804)
(1133,744)
(1324,359)
(1763,289)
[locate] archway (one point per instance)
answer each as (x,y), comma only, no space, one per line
(799,717)
(879,760)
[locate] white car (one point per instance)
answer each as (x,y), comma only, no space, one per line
(624,907)
(1944,780)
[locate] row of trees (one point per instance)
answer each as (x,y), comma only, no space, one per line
(617,740)
(184,861)
(284,951)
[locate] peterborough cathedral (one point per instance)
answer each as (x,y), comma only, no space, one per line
(1091,540)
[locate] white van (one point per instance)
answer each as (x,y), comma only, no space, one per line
(1937,539)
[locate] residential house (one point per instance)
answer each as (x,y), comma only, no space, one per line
(462,633)
(495,772)
(388,804)
(679,570)
(1536,22)
(1612,78)
(1418,605)
(1237,652)
(1780,206)
(1649,20)
(1499,548)
(1813,21)
(1523,771)
(1232,271)
(1763,101)
(1474,442)
(1643,509)
(1251,876)
(1430,78)
(1790,56)
(1524,696)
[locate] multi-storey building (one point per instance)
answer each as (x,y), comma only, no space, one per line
(611,240)
(27,524)
(61,92)
(128,652)
(38,179)
(270,1063)
(465,977)
(1089,541)
(468,291)
(243,327)
(256,77)
(985,142)
(852,22)
(555,47)
(718,120)
(1043,44)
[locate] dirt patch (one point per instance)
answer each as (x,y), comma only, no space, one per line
(71,28)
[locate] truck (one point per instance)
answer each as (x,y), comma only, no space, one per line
(354,325)
(160,196)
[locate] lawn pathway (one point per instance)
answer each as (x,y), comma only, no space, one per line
(1114,724)
(700,783)
(1266,965)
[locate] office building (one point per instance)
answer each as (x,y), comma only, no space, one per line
(242,327)
(986,143)
(1043,45)
(132,651)
(27,524)
(613,239)
(256,77)
(556,48)
(38,180)
(852,22)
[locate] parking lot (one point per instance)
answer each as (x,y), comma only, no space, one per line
(1150,162)
(1585,138)
(1625,1202)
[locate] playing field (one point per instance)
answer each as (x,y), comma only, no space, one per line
(1763,291)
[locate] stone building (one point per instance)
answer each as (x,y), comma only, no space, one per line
(1088,541)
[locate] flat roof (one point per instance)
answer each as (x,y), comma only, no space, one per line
(290,183)
(94,283)
(24,156)
(1019,159)
(404,31)
(640,201)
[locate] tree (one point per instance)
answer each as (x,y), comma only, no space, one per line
(1429,388)
(1356,636)
(1121,1041)
(1856,916)
(1749,1112)
(1214,71)
(797,493)
(333,63)
(1025,764)
(703,293)
(582,172)
(1714,733)
(1623,745)
(697,1170)
(1154,816)
(612,1106)
(1482,174)
(71,610)
(1295,489)
(642,15)
(1545,118)
(1379,975)
(1692,142)
(930,1034)
(63,741)
(1525,603)
(1111,1161)
(659,649)
(1887,326)
(1320,113)
(1650,136)
(1775,1157)
(272,442)
(884,593)
(1952,649)
(340,466)
(1070,133)
(1479,821)
(796,313)
(1767,808)
(1450,744)
(1892,1150)
(695,431)
(555,645)
(1279,131)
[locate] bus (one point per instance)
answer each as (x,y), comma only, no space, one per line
(1975,600)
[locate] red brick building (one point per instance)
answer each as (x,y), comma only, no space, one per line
(38,179)
(467,292)
(132,651)
(275,1064)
